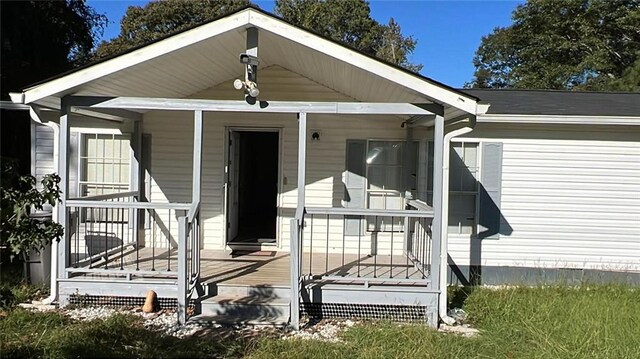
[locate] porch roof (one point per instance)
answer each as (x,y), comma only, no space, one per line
(186,63)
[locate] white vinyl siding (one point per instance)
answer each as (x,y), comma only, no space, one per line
(43,151)
(567,203)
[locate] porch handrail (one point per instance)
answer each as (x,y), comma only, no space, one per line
(422,213)
(419,205)
(104,197)
(194,210)
(129,205)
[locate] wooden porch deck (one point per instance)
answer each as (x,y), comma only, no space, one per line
(259,267)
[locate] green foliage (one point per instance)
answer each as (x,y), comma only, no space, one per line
(20,233)
(25,334)
(156,19)
(571,44)
(350,22)
(44,38)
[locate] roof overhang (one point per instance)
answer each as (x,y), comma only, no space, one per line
(191,61)
(560,120)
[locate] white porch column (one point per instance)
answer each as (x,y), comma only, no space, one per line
(63,172)
(197,157)
(297,224)
(436,226)
(302,160)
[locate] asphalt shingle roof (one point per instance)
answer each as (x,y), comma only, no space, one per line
(549,102)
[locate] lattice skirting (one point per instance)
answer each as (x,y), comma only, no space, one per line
(120,301)
(398,313)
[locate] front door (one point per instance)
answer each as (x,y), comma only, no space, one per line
(252,187)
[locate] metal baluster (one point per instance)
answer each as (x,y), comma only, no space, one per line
(344,229)
(311,247)
(136,236)
(106,238)
(77,237)
(359,240)
(85,236)
(375,251)
(326,269)
(393,219)
(153,253)
(86,249)
(406,252)
(430,243)
(426,246)
(169,244)
(121,211)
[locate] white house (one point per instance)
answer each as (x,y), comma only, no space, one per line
(319,185)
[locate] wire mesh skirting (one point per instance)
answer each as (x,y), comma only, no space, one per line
(120,301)
(396,313)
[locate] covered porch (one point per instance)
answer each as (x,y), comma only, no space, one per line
(126,237)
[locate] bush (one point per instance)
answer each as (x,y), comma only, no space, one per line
(20,233)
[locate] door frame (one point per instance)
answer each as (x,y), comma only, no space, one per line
(225,174)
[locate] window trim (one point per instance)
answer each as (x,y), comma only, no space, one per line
(83,134)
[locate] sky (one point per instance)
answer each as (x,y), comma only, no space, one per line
(448,31)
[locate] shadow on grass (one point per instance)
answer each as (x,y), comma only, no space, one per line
(457,296)
(34,335)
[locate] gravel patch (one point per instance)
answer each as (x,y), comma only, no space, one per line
(463,330)
(326,330)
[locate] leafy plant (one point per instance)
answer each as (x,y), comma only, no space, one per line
(21,233)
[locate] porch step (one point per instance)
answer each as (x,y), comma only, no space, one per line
(251,291)
(242,309)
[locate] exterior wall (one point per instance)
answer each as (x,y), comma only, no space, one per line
(172,139)
(570,200)
(41,150)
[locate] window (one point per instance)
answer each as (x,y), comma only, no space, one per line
(463,185)
(105,161)
(375,178)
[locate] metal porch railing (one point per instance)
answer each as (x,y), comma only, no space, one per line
(366,245)
(116,235)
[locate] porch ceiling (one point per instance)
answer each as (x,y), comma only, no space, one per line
(212,60)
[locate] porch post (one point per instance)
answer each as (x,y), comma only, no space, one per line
(302,160)
(436,226)
(63,172)
(297,224)
(197,157)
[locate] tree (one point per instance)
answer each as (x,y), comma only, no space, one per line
(571,44)
(395,47)
(19,232)
(157,19)
(43,38)
(350,22)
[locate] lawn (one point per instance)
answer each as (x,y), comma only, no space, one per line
(540,322)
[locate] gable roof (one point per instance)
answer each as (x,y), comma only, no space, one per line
(205,55)
(552,102)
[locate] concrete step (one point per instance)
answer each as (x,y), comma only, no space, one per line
(239,309)
(242,290)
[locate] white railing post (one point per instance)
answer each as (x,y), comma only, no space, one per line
(182,269)
(294,231)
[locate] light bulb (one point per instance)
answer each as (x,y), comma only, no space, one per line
(254,92)
(238,84)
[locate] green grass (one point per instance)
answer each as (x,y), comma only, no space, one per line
(14,290)
(541,322)
(52,335)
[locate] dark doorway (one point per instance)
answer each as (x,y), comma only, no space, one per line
(257,186)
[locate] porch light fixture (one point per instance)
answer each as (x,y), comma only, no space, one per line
(250,76)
